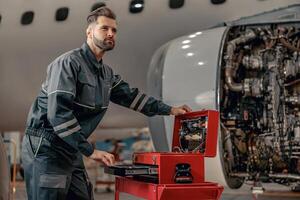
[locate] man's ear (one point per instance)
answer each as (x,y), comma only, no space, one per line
(89,32)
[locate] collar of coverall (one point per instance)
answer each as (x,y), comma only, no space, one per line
(88,52)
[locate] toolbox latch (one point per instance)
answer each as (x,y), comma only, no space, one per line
(183,173)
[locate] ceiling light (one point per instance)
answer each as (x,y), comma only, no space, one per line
(189,54)
(185,46)
(136,6)
(62,14)
(186,41)
(174,4)
(217,1)
(27,18)
(200,63)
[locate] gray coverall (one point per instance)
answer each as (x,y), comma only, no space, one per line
(70,105)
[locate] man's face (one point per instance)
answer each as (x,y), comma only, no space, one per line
(104,32)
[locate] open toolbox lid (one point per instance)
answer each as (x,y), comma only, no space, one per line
(196,132)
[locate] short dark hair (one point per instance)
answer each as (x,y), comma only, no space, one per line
(102,11)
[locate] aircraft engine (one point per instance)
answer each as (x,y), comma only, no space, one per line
(251,74)
(260,101)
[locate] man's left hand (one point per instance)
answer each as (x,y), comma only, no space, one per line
(180,110)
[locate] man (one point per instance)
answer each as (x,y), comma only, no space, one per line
(72,101)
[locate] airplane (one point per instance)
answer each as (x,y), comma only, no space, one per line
(34,33)
(248,70)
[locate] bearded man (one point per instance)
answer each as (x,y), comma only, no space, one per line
(72,101)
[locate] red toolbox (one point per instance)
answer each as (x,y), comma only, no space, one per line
(178,174)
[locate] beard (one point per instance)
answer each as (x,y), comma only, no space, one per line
(105,45)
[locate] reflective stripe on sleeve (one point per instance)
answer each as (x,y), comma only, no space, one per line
(65,125)
(136,99)
(61,91)
(83,105)
(143,103)
(69,132)
(117,84)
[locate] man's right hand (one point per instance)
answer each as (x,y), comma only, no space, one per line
(180,110)
(104,157)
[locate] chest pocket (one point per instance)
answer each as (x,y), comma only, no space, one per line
(106,89)
(86,90)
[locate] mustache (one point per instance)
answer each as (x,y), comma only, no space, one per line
(109,40)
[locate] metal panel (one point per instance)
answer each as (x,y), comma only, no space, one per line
(154,83)
(285,14)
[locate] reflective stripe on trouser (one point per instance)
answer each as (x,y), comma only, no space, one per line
(52,174)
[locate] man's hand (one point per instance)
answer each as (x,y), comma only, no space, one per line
(104,157)
(180,110)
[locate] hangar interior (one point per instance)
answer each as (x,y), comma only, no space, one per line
(244,67)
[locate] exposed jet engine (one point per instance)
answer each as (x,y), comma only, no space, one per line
(250,72)
(260,102)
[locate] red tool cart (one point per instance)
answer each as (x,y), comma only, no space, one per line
(178,174)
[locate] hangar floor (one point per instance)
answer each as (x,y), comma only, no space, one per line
(95,171)
(241,194)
